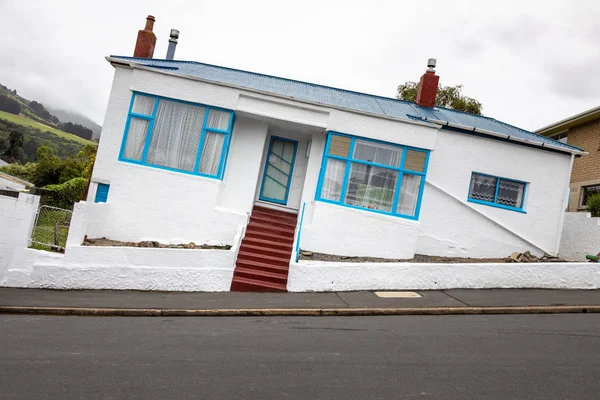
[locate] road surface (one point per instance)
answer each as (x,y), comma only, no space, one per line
(403,357)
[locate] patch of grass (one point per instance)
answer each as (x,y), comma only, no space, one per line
(23,120)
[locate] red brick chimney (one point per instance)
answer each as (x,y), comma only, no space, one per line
(146,40)
(428,86)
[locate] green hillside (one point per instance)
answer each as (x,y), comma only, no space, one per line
(27,121)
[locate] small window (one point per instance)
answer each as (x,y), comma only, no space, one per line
(339,146)
(498,192)
(102,193)
(586,192)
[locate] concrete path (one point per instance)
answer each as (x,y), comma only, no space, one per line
(342,303)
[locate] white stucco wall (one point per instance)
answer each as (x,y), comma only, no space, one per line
(10,184)
(580,236)
(452,226)
(329,276)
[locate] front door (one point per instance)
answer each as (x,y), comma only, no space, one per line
(279,167)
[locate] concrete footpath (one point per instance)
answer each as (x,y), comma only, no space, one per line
(433,302)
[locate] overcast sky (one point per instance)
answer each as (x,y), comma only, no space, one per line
(530,63)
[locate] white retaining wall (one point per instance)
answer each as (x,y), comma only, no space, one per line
(580,236)
(330,276)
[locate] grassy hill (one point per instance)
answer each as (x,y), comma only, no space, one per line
(28,121)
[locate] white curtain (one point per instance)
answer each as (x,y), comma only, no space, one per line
(136,138)
(334,178)
(409,194)
(510,193)
(211,153)
(377,152)
(218,119)
(483,187)
(143,105)
(176,135)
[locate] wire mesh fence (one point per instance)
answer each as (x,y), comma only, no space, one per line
(51,228)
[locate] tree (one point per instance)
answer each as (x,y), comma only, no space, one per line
(49,168)
(9,105)
(447,96)
(14,151)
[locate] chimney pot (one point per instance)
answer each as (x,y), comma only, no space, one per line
(428,86)
(146,40)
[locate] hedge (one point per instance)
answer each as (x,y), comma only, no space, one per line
(66,194)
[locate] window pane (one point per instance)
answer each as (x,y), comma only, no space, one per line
(334,178)
(218,119)
(143,105)
(415,160)
(377,152)
(588,191)
(510,193)
(136,138)
(211,153)
(409,194)
(371,187)
(176,135)
(483,187)
(339,146)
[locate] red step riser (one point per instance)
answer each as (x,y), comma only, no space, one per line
(290,220)
(268,211)
(265,251)
(267,244)
(262,266)
(253,226)
(262,278)
(244,287)
(268,236)
(272,222)
(280,262)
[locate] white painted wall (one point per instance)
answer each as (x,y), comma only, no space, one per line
(580,236)
(324,277)
(452,226)
(17,217)
(10,184)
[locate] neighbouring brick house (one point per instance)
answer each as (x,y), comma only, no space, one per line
(583,131)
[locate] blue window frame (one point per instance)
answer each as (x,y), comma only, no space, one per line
(101,193)
(177,135)
(373,175)
(499,192)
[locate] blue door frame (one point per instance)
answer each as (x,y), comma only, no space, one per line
(267,164)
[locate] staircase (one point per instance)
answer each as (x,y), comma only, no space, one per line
(264,257)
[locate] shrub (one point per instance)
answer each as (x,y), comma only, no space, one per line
(66,194)
(593,204)
(25,172)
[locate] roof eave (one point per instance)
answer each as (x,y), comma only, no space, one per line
(570,122)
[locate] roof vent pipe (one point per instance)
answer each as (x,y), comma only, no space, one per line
(172,44)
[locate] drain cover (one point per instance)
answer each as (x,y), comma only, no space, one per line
(398,295)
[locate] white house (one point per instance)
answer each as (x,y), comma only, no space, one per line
(192,152)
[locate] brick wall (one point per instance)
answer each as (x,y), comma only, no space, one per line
(586,169)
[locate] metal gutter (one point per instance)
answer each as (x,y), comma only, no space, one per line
(508,137)
(569,120)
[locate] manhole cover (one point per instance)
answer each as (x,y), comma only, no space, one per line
(398,295)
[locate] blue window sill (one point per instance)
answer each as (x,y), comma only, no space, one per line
(370,210)
(181,171)
(487,203)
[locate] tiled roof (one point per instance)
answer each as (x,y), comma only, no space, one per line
(341,98)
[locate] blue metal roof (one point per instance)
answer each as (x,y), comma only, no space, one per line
(339,97)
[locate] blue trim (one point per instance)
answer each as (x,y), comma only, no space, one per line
(299,232)
(101,193)
(350,159)
(150,132)
(495,203)
(290,175)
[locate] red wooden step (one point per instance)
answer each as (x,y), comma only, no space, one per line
(254,226)
(270,236)
(267,244)
(272,221)
(261,275)
(261,266)
(247,255)
(265,250)
(239,284)
(271,211)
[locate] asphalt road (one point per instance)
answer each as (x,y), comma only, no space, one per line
(406,357)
